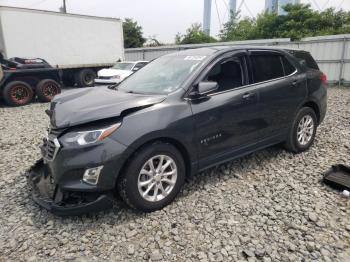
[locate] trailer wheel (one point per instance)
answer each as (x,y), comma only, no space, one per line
(18,93)
(85,77)
(47,89)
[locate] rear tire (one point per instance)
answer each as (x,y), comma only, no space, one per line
(18,93)
(147,190)
(85,77)
(303,131)
(46,90)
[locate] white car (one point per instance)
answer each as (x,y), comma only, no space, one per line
(118,72)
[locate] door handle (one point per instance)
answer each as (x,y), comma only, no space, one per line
(295,83)
(248,96)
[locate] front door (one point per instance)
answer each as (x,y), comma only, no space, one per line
(228,119)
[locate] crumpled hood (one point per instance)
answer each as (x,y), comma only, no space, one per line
(114,72)
(81,106)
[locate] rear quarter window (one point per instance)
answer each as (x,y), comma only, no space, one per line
(305,58)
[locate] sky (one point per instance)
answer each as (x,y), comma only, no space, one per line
(162,19)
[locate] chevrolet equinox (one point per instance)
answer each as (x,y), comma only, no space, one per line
(182,113)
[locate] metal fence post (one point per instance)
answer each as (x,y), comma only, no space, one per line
(342,61)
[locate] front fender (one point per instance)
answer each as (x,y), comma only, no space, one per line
(160,122)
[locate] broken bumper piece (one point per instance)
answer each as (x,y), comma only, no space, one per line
(49,196)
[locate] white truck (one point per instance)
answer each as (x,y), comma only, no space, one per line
(77,45)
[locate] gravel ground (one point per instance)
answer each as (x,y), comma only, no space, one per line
(268,206)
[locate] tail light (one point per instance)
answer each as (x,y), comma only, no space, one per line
(13,68)
(323,78)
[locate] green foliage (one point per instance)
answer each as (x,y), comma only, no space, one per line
(238,29)
(300,21)
(194,35)
(133,35)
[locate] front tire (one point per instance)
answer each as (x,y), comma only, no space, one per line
(153,177)
(303,132)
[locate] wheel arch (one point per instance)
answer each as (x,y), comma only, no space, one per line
(315,107)
(174,142)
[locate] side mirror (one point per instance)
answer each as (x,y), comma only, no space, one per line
(135,69)
(206,87)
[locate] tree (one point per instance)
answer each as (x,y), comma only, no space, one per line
(194,35)
(298,22)
(236,29)
(133,35)
(302,21)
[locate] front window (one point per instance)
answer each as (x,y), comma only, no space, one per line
(163,76)
(227,73)
(123,66)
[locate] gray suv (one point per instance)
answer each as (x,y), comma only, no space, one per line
(180,114)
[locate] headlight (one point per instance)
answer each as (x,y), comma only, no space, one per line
(89,137)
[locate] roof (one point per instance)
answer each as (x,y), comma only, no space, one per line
(207,51)
(273,41)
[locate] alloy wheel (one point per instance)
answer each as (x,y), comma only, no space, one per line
(157,178)
(305,130)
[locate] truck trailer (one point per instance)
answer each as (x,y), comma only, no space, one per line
(77,46)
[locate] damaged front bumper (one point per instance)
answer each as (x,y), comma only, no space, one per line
(49,195)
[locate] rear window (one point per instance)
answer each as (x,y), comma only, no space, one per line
(306,59)
(266,67)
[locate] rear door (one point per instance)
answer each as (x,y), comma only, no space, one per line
(282,88)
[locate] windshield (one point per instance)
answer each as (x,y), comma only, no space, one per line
(163,76)
(123,66)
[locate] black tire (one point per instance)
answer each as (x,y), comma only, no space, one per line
(85,77)
(46,90)
(128,182)
(18,93)
(293,144)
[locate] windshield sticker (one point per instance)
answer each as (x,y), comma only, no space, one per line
(195,58)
